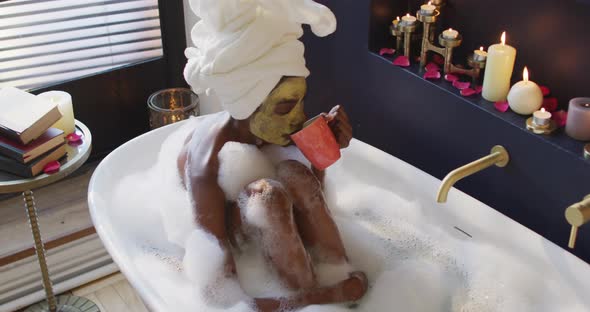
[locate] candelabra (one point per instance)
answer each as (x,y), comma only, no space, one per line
(447,45)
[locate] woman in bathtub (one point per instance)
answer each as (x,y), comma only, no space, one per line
(248,53)
(298,229)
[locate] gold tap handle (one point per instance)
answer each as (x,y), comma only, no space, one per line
(573,237)
(577,215)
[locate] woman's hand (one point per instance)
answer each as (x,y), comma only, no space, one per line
(340,125)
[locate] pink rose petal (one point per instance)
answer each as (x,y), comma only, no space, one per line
(73,137)
(432,67)
(560,118)
(432,75)
(451,77)
(402,61)
(545,91)
(438,59)
(461,85)
(468,92)
(478,89)
(386,51)
(550,104)
(52,167)
(501,106)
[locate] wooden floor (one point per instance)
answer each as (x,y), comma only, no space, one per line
(112,294)
(63,216)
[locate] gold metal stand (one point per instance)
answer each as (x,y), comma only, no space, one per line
(76,156)
(31,209)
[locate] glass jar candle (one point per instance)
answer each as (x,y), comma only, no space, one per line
(172,105)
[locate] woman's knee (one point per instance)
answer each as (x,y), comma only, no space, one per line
(294,174)
(263,202)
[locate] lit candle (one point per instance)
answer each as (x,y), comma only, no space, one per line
(578,119)
(396,21)
(542,117)
(64,103)
(525,96)
(408,19)
(480,55)
(450,34)
(499,66)
(427,9)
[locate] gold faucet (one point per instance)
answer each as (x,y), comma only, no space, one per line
(499,157)
(577,215)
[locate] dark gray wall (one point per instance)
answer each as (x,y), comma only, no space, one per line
(433,128)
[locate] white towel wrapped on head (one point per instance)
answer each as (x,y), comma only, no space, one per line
(244,47)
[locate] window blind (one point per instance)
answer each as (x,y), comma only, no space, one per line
(48,41)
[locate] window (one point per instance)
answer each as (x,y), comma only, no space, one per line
(44,42)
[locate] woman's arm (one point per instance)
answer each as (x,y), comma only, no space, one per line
(210,214)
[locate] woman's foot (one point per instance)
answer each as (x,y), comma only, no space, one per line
(351,289)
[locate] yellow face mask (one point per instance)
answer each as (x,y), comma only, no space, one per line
(281,113)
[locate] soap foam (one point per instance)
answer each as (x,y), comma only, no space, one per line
(239,165)
(410,263)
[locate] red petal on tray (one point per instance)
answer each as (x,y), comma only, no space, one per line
(478,89)
(438,59)
(52,167)
(435,74)
(386,51)
(73,137)
(461,85)
(550,104)
(402,61)
(501,106)
(451,77)
(468,92)
(432,67)
(545,91)
(560,118)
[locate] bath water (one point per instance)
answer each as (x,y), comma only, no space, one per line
(411,265)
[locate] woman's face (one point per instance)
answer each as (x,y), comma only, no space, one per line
(281,113)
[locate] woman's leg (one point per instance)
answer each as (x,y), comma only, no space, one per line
(314,220)
(267,209)
(266,206)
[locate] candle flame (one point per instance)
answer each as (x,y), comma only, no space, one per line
(503,38)
(525,74)
(543,110)
(429,2)
(397,18)
(481,48)
(408,15)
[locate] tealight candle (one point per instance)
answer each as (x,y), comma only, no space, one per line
(480,55)
(450,34)
(542,117)
(427,9)
(408,19)
(578,119)
(63,100)
(396,21)
(525,96)
(499,67)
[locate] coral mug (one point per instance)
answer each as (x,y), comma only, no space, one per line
(317,143)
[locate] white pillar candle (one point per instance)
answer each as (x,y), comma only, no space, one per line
(450,34)
(427,9)
(64,104)
(525,96)
(542,117)
(408,19)
(499,67)
(480,55)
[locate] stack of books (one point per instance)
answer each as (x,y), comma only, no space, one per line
(27,141)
